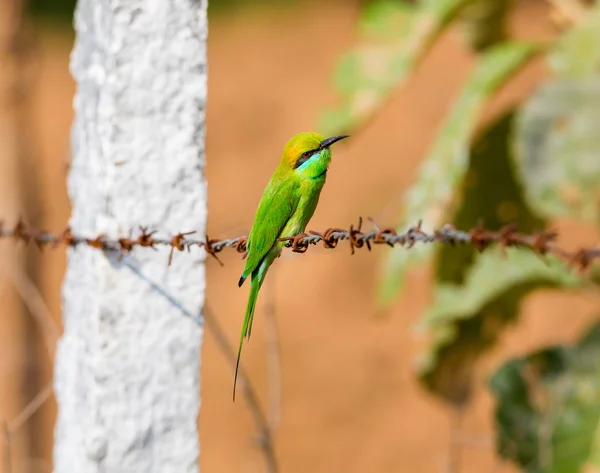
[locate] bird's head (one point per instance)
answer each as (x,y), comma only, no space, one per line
(308,154)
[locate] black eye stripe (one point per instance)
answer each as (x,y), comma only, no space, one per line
(304,157)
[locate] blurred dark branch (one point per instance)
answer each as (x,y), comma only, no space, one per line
(454,447)
(541,243)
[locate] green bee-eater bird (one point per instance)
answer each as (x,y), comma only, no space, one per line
(287,204)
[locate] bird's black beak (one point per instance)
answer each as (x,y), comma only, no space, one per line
(329,141)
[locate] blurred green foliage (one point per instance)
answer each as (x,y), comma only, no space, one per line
(445,167)
(575,55)
(548,414)
(556,138)
(466,319)
(532,164)
(559,122)
(394,36)
(478,294)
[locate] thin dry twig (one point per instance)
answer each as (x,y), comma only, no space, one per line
(273,357)
(208,319)
(36,306)
(30,409)
(265,438)
(7,448)
(10,430)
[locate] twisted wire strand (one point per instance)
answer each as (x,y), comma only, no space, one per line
(540,242)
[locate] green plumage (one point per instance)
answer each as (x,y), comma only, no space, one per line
(286,206)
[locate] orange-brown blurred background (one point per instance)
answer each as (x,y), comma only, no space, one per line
(350,399)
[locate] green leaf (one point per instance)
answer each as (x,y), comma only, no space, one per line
(396,35)
(558,149)
(484,22)
(488,279)
(445,167)
(548,408)
(489,192)
(466,319)
(577,54)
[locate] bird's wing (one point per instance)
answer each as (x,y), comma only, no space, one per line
(277,205)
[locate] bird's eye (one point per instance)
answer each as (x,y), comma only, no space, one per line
(304,157)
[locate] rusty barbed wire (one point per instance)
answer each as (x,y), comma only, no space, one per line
(479,237)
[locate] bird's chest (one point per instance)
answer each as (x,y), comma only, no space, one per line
(307,203)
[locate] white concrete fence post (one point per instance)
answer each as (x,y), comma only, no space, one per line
(127,366)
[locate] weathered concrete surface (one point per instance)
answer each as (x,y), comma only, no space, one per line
(127,367)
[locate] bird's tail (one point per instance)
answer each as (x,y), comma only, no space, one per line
(258,275)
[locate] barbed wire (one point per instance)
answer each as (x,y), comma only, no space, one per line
(479,237)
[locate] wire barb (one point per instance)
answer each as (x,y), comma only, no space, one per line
(479,237)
